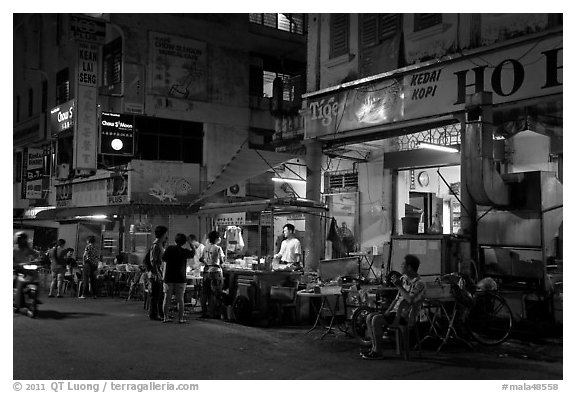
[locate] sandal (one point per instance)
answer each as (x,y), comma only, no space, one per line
(372,356)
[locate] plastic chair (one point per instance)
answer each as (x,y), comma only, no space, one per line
(403,331)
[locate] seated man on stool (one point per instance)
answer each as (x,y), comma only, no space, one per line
(410,291)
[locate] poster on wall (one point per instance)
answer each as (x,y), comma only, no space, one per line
(343,231)
(178,67)
(164,182)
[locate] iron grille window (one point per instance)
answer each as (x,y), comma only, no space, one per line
(62,86)
(341,181)
(424,21)
(268,81)
(339,34)
(112,58)
(166,139)
(293,23)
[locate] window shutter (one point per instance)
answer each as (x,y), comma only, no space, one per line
(271,20)
(424,21)
(369,30)
(388,25)
(339,26)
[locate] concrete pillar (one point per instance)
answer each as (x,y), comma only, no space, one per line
(468,208)
(313,236)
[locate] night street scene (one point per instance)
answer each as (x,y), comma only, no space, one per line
(281,201)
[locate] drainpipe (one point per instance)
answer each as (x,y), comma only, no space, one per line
(312,241)
(483,180)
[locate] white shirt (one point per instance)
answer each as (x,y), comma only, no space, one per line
(198,254)
(289,249)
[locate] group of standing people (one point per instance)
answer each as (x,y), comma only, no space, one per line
(167,273)
(62,260)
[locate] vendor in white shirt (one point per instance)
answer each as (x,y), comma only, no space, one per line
(290,249)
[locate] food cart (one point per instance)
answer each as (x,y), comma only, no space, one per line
(249,276)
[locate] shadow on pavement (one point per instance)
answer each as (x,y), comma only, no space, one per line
(52,314)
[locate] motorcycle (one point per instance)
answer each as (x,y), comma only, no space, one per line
(26,288)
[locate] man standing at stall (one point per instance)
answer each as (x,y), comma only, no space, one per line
(175,257)
(156,275)
(290,249)
(198,249)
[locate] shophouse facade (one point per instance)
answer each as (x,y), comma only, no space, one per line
(381,86)
(121,121)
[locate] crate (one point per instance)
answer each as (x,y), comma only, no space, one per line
(282,293)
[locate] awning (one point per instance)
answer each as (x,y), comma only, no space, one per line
(68,213)
(276,205)
(245,164)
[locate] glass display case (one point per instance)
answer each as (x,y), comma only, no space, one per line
(109,247)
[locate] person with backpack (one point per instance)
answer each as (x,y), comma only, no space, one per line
(57,268)
(175,257)
(156,312)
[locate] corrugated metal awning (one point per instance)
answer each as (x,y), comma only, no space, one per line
(245,164)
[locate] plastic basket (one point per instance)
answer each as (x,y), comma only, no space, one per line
(282,293)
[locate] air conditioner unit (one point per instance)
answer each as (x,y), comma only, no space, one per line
(62,171)
(237,190)
(84,172)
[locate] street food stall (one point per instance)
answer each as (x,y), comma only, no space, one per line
(251,279)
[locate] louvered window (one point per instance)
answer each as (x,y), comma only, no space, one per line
(369,30)
(376,28)
(388,25)
(341,181)
(424,21)
(62,86)
(112,58)
(339,32)
(294,23)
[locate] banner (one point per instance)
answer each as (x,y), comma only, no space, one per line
(529,70)
(178,67)
(117,189)
(34,173)
(163,182)
(62,117)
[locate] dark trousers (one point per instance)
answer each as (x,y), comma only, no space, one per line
(89,280)
(211,289)
(156,299)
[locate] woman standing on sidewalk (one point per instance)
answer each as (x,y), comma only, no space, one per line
(90,259)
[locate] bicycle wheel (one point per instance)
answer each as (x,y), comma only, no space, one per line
(359,327)
(490,318)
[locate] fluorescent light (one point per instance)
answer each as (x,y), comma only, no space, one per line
(432,146)
(284,180)
(92,217)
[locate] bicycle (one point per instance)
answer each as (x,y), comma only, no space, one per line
(484,313)
(367,305)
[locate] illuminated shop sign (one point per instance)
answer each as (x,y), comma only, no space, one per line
(116,134)
(62,117)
